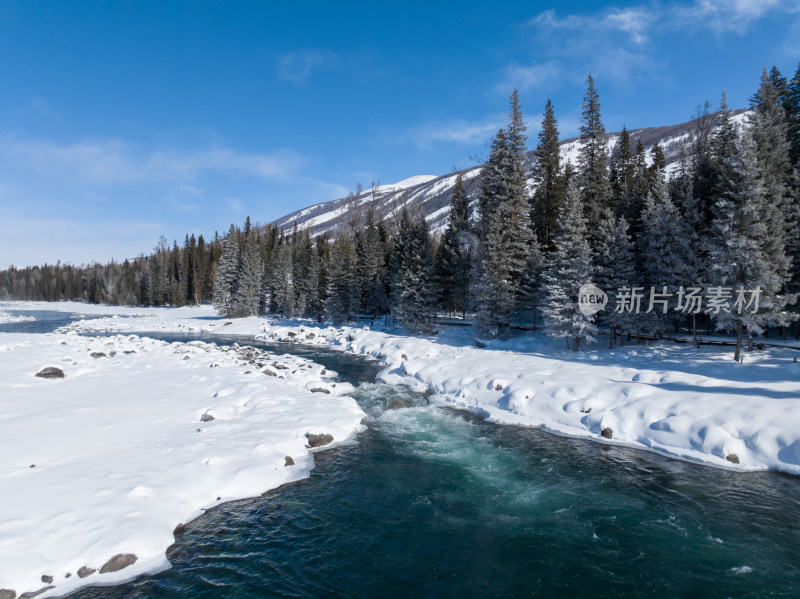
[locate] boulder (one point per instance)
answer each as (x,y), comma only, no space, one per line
(8,594)
(97,354)
(498,387)
(480,344)
(47,579)
(289,461)
(118,562)
(319,440)
(732,458)
(206,417)
(405,357)
(320,390)
(83,572)
(179,529)
(51,372)
(607,433)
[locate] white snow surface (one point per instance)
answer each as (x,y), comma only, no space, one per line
(111,458)
(131,444)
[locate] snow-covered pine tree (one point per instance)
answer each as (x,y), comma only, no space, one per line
(738,257)
(248,288)
(593,173)
(622,169)
(665,253)
(568,267)
(317,288)
(614,269)
(414,294)
(494,186)
(343,293)
(546,172)
(372,274)
(227,273)
(301,268)
(455,262)
(281,279)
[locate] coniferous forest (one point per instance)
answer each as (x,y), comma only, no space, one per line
(723,224)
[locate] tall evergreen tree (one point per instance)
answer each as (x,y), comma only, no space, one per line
(595,188)
(413,295)
(568,267)
(546,170)
(248,288)
(343,293)
(614,270)
(455,261)
(227,274)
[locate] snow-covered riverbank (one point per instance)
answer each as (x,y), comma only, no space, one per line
(138,437)
(695,404)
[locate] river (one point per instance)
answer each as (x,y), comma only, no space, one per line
(434,502)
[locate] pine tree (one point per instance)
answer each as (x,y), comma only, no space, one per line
(281,279)
(494,186)
(413,295)
(455,261)
(595,188)
(248,288)
(372,274)
(343,292)
(614,270)
(546,170)
(568,267)
(227,274)
(622,169)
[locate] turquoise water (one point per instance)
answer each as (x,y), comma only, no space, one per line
(434,502)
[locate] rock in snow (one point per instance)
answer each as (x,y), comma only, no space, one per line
(51,372)
(118,562)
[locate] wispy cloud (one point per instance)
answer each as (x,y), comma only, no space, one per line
(297,66)
(118,161)
(454,131)
(617,42)
(235,204)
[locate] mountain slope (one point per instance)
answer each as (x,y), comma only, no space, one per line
(432,194)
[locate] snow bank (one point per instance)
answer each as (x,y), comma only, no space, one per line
(139,437)
(697,405)
(5,317)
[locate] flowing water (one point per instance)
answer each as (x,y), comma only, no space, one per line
(434,502)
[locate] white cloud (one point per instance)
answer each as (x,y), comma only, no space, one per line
(455,131)
(530,76)
(235,204)
(296,66)
(117,161)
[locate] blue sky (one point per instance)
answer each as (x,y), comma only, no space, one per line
(123,121)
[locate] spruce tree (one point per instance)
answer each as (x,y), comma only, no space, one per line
(343,292)
(568,267)
(248,288)
(455,262)
(595,188)
(614,269)
(546,170)
(227,273)
(413,295)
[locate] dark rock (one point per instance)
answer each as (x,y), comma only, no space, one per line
(480,344)
(269,372)
(8,594)
(118,562)
(206,418)
(227,323)
(33,465)
(280,366)
(47,579)
(586,411)
(350,338)
(292,334)
(318,440)
(405,357)
(732,458)
(179,529)
(129,351)
(286,340)
(289,461)
(498,387)
(607,433)
(32,594)
(219,498)
(98,354)
(68,574)
(83,572)
(198,430)
(320,390)
(51,372)
(311,335)
(324,372)
(187,357)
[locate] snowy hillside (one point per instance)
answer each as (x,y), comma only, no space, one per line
(431,194)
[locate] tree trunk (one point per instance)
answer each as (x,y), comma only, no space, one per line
(738,353)
(576,341)
(749,341)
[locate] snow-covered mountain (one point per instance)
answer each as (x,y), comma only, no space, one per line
(431,194)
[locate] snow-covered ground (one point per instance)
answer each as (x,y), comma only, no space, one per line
(138,437)
(694,404)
